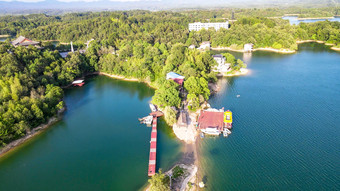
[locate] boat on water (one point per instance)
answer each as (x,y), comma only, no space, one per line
(152,107)
(226,132)
(78,83)
(146,120)
(202,135)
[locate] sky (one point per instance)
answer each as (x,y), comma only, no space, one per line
(30,6)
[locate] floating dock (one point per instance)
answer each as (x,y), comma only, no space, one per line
(153,148)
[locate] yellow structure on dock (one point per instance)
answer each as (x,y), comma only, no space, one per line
(228,119)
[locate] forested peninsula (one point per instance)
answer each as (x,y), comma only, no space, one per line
(135,44)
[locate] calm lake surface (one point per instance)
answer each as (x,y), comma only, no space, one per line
(286,130)
(294,20)
(99,144)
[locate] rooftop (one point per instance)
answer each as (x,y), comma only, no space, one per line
(23,41)
(211,119)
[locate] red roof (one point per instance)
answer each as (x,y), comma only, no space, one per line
(210,119)
(178,81)
(157,113)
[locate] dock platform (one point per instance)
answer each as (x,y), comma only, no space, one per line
(153,148)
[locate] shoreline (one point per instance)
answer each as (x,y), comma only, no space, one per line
(320,42)
(123,78)
(31,134)
(314,18)
(267,49)
(4,35)
(237,73)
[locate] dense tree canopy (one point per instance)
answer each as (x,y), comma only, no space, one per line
(30,92)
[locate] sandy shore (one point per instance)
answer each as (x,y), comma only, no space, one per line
(335,48)
(124,78)
(32,133)
(269,49)
(4,36)
(244,71)
(314,18)
(306,41)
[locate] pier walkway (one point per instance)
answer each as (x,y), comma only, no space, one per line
(153,144)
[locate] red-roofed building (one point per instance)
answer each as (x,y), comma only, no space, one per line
(23,41)
(210,121)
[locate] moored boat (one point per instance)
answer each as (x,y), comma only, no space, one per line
(152,107)
(78,83)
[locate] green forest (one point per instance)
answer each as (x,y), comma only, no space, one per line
(135,44)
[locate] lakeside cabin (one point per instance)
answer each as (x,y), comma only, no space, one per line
(222,66)
(248,47)
(214,121)
(23,41)
(175,77)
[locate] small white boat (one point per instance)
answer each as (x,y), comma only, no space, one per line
(226,132)
(238,96)
(146,120)
(152,107)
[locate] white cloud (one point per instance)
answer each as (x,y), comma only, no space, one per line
(26,1)
(69,1)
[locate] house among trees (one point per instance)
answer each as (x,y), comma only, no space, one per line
(248,47)
(210,121)
(205,45)
(192,46)
(222,66)
(175,77)
(23,41)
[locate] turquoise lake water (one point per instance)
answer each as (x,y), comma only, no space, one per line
(294,20)
(99,144)
(286,130)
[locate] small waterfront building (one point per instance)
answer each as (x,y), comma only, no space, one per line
(197,26)
(204,45)
(63,54)
(211,122)
(192,46)
(175,77)
(222,66)
(23,41)
(248,47)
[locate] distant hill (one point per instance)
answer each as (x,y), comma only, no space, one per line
(62,6)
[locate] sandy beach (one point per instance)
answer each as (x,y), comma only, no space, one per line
(269,49)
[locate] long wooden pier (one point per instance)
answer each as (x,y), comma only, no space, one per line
(153,148)
(153,144)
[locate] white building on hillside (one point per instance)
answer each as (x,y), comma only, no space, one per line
(222,66)
(198,26)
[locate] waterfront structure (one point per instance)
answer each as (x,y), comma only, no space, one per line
(210,121)
(222,66)
(197,26)
(23,41)
(153,144)
(215,121)
(248,47)
(78,83)
(175,77)
(205,45)
(192,46)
